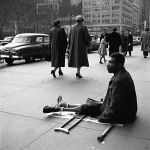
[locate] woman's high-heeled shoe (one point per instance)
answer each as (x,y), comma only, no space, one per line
(53,73)
(60,73)
(78,76)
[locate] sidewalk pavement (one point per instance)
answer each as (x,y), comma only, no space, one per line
(26,88)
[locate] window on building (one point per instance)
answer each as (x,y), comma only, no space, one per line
(115,20)
(105,21)
(115,14)
(105,8)
(115,7)
(116,1)
(105,15)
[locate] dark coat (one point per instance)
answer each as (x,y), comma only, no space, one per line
(114,42)
(145,41)
(123,43)
(120,103)
(129,42)
(79,39)
(58,44)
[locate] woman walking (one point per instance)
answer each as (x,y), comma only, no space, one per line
(102,49)
(58,44)
(78,41)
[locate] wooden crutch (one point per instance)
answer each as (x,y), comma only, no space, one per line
(66,130)
(105,132)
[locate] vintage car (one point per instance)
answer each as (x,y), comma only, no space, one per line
(6,40)
(94,44)
(28,46)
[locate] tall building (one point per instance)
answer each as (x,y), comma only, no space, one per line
(122,14)
(100,14)
(146,13)
(137,21)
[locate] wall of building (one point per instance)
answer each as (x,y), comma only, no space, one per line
(147,13)
(100,14)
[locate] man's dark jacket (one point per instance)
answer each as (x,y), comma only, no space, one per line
(114,42)
(120,104)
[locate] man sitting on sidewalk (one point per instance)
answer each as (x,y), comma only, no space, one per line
(120,103)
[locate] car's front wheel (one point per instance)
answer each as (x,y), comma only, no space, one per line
(48,57)
(29,59)
(9,61)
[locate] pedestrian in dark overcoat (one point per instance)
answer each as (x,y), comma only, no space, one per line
(145,42)
(114,42)
(129,42)
(123,48)
(58,44)
(79,39)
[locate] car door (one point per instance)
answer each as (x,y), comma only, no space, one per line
(38,45)
(46,45)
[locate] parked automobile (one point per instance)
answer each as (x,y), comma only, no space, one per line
(6,40)
(26,46)
(94,44)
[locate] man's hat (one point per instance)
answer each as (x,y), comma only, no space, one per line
(114,29)
(56,22)
(79,18)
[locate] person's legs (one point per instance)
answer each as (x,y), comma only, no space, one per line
(104,59)
(60,71)
(145,54)
(129,53)
(101,60)
(78,74)
(78,70)
(71,108)
(53,72)
(84,109)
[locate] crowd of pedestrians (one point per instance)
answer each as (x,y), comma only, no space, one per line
(117,42)
(79,39)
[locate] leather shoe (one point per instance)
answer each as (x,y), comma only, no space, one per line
(60,73)
(48,109)
(78,75)
(53,73)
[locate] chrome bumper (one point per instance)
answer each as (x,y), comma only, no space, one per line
(9,56)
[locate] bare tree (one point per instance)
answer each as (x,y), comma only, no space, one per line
(16,12)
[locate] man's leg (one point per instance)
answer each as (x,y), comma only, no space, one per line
(129,53)
(72,108)
(92,110)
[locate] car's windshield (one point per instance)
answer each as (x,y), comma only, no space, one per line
(7,38)
(21,40)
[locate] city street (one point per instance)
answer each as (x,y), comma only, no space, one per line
(26,88)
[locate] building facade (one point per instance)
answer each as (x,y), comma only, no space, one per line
(100,14)
(137,16)
(147,14)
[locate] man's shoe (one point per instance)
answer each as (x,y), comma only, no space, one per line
(48,109)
